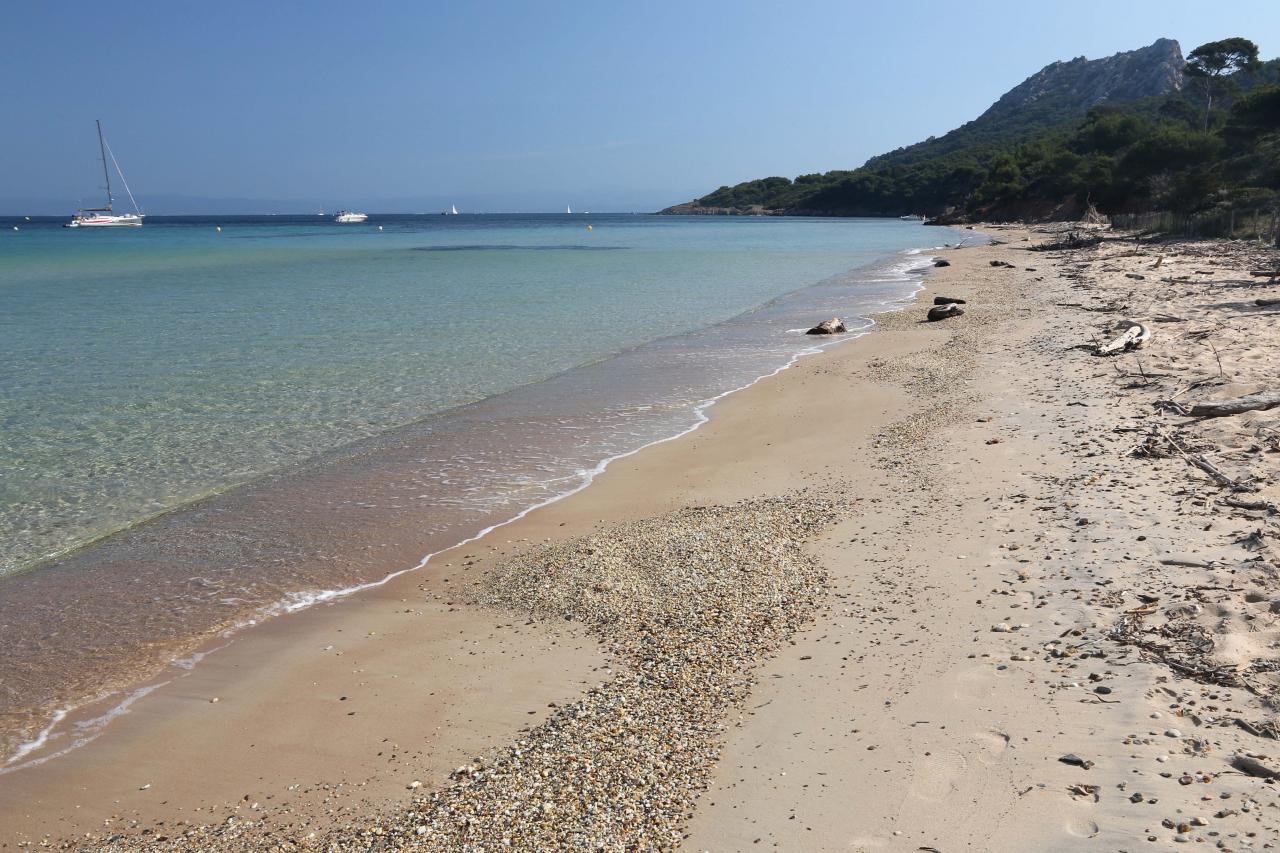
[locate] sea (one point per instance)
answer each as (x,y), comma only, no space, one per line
(211,421)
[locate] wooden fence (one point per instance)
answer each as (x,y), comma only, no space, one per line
(1261,223)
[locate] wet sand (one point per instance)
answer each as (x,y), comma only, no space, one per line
(1009,585)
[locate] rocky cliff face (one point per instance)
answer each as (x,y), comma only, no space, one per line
(1056,96)
(1062,91)
(1153,70)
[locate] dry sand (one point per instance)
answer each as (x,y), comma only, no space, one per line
(1006,583)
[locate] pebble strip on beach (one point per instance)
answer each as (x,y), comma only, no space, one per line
(687,605)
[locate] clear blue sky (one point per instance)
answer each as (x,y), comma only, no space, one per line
(518,106)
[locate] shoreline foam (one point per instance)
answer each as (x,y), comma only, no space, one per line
(912,270)
(1009,655)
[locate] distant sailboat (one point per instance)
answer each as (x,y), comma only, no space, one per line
(568,209)
(104,217)
(453,210)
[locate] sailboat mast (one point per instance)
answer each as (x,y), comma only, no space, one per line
(105,173)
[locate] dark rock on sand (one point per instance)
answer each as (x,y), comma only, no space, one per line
(942,312)
(947,300)
(834,326)
(1071,758)
(942,262)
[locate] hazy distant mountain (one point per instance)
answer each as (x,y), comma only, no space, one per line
(933,174)
(1058,93)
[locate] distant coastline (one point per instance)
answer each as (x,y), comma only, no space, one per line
(1138,133)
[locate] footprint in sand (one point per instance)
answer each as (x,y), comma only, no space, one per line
(1077,616)
(936,775)
(1082,827)
(992,744)
(977,683)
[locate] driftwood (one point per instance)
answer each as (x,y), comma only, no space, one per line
(1134,336)
(834,326)
(942,312)
(947,300)
(1205,465)
(1254,767)
(1271,274)
(1267,729)
(1261,401)
(1268,506)
(1072,241)
(1263,303)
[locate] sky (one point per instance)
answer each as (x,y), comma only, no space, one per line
(503,106)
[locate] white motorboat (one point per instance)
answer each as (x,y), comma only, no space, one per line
(348,216)
(106,217)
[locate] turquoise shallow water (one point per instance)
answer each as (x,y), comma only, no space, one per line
(357,398)
(143,368)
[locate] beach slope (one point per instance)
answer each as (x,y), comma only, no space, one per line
(954,586)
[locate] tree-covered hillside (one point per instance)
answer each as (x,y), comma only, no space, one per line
(1137,131)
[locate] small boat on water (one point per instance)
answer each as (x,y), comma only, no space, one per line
(348,216)
(106,217)
(568,209)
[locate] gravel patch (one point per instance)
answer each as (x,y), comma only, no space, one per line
(688,605)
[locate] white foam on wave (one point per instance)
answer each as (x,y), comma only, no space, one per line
(908,269)
(39,740)
(82,732)
(902,270)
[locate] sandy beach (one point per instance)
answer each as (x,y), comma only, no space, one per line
(960,585)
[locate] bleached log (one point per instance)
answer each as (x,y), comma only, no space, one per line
(1258,402)
(1135,336)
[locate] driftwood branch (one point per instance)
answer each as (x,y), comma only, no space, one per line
(1205,465)
(1258,402)
(1134,336)
(1239,503)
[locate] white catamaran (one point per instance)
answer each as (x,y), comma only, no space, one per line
(105,217)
